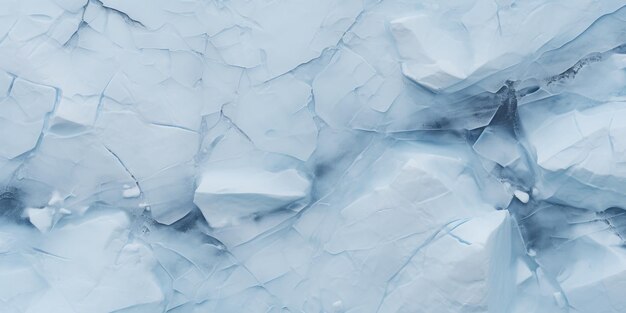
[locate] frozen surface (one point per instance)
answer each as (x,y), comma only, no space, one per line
(355,156)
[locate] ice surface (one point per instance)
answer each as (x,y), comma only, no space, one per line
(366,156)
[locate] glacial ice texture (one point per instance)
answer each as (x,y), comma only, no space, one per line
(312,156)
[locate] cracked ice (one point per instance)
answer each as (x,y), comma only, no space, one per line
(357,156)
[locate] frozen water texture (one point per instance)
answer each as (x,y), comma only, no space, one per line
(357,156)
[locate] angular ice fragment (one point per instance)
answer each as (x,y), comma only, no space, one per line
(521,196)
(41,218)
(436,58)
(226,196)
(581,151)
(74,114)
(466,267)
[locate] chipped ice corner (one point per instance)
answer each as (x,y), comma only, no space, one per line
(312,156)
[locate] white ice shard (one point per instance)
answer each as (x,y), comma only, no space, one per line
(41,218)
(521,196)
(225,196)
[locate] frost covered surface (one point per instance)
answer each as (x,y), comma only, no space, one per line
(313,156)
